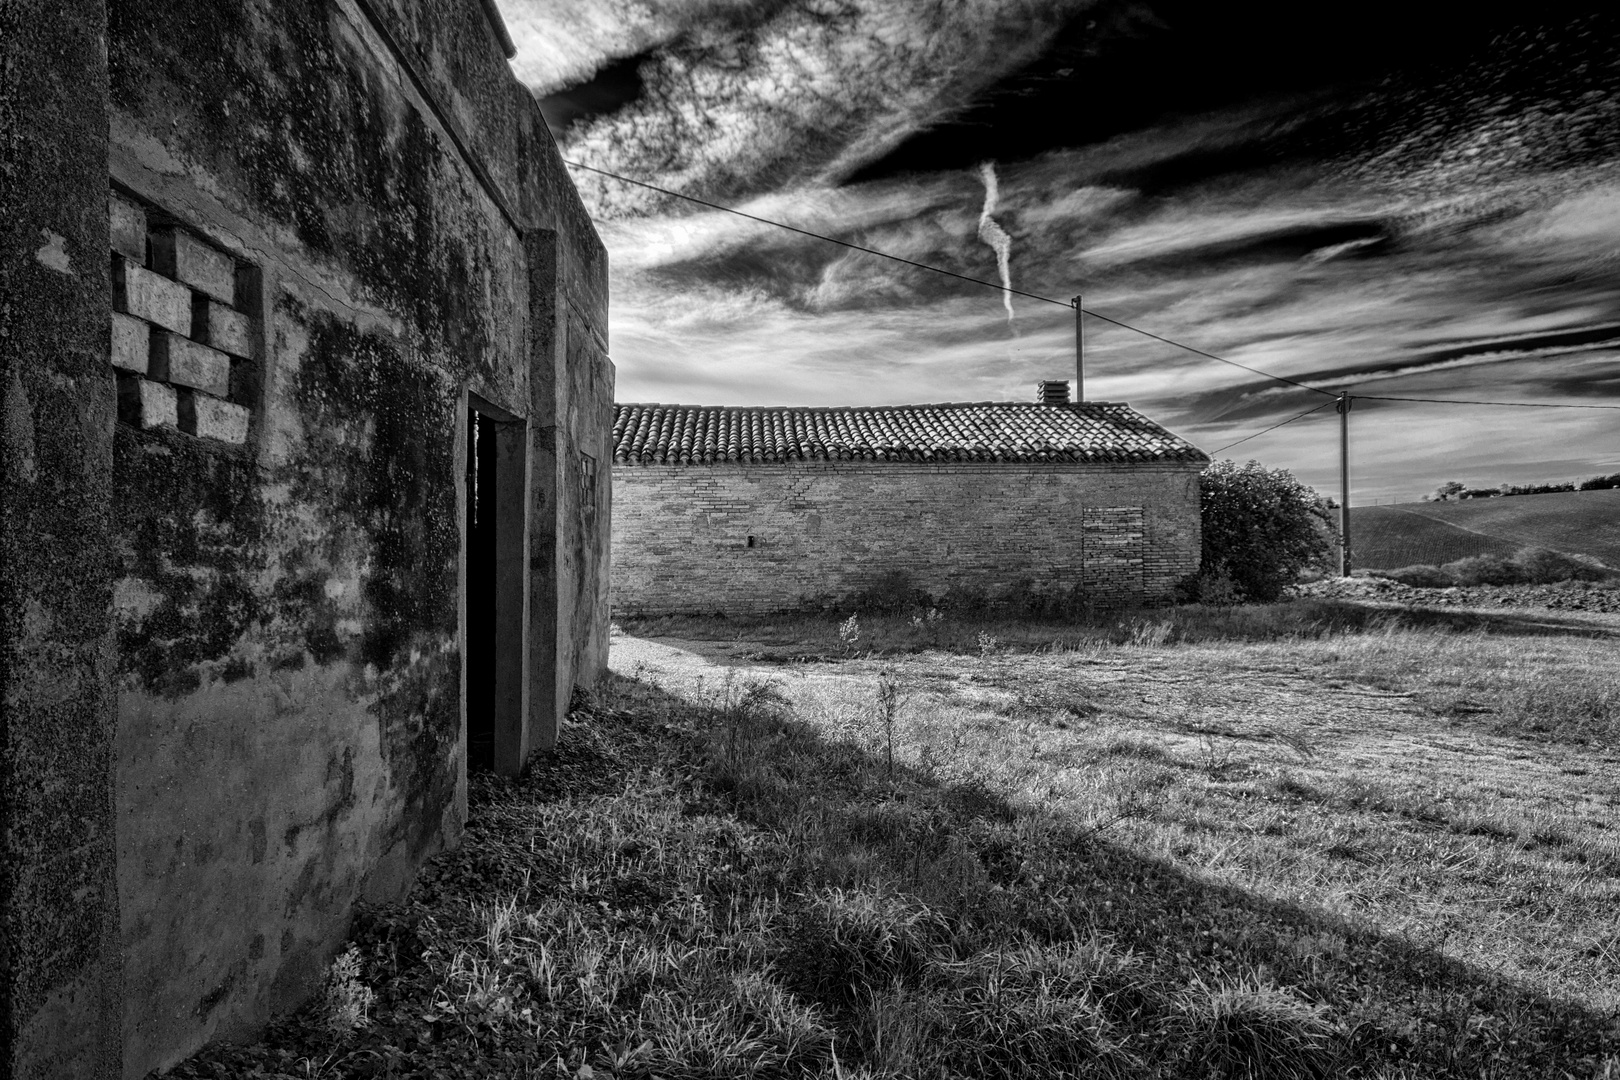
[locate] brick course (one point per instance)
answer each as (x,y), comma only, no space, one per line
(221,327)
(145,403)
(145,295)
(212,418)
(179,255)
(825,530)
(127,228)
(184,362)
(131,338)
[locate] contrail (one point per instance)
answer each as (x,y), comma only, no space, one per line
(995,235)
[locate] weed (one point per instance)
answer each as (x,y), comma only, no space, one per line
(345,1000)
(849,633)
(1150,633)
(1249,1027)
(1216,758)
(925,619)
(890,695)
(987,643)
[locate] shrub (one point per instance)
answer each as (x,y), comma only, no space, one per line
(1261,527)
(892,593)
(1530,566)
(1540,566)
(1420,577)
(1483,570)
(965,600)
(1214,586)
(345,1001)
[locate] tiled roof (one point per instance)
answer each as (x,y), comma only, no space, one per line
(1098,431)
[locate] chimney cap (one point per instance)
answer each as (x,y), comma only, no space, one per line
(1052,392)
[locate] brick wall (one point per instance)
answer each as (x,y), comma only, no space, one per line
(753,538)
(183,335)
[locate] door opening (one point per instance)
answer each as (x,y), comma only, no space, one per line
(482,508)
(496,562)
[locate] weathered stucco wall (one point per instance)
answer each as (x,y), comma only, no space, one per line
(59,982)
(323,235)
(758,538)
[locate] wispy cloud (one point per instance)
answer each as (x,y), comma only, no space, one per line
(1406,238)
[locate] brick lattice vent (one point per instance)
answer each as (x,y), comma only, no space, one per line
(183,336)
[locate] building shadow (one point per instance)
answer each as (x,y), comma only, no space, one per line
(1406,1008)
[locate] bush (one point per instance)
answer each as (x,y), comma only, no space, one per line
(1530,566)
(1538,566)
(1483,570)
(892,593)
(1420,577)
(1261,528)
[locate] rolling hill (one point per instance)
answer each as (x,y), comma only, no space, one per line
(1574,522)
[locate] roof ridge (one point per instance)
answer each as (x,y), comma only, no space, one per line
(868,408)
(1028,431)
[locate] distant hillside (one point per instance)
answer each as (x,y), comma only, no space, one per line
(1575,522)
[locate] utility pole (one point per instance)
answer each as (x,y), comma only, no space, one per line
(1344,483)
(1079,354)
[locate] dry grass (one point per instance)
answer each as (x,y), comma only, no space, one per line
(1304,841)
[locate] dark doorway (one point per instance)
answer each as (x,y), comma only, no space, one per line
(482,509)
(496,560)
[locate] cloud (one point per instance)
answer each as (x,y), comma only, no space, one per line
(991,232)
(1418,236)
(808,92)
(562,43)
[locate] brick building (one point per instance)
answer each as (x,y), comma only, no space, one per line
(760,509)
(304,382)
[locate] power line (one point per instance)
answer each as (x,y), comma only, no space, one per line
(819,236)
(1212,356)
(1458,401)
(1274,427)
(1068,304)
(947,273)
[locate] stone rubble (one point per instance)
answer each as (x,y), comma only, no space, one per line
(1601,596)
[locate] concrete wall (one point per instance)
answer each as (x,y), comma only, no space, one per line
(59,971)
(824,531)
(330,225)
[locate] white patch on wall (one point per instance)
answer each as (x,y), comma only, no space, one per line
(53,253)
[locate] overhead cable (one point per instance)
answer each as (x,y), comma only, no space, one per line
(1458,401)
(940,270)
(1069,304)
(1274,427)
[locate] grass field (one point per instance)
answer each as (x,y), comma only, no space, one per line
(1577,523)
(1307,840)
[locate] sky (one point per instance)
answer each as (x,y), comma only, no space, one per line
(1403,199)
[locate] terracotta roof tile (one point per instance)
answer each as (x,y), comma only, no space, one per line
(985,431)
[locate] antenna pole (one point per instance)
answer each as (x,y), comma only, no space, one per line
(1079,354)
(1343,408)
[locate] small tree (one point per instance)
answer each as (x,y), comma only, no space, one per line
(1261,528)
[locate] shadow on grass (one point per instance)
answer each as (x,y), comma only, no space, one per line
(799,638)
(1506,622)
(1218,971)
